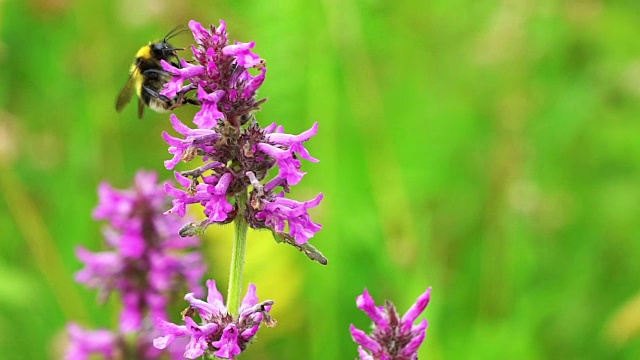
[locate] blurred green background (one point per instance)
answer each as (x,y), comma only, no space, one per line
(489,149)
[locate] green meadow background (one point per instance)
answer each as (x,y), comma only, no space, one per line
(489,149)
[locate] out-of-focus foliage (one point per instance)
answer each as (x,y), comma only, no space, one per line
(490,149)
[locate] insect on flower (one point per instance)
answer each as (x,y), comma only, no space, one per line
(147,77)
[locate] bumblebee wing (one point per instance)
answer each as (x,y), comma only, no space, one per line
(127,92)
(140,108)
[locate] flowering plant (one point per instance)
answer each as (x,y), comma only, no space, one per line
(244,175)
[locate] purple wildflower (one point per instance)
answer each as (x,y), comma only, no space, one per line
(148,263)
(392,337)
(237,153)
(219,334)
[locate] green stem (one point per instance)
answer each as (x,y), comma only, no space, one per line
(237,256)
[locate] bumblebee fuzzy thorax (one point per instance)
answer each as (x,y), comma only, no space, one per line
(144,52)
(149,56)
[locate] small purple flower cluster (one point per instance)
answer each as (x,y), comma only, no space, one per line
(237,153)
(393,338)
(149,264)
(219,334)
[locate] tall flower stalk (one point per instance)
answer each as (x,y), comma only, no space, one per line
(233,184)
(237,259)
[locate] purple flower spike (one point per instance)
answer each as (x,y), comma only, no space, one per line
(148,261)
(237,154)
(392,337)
(219,333)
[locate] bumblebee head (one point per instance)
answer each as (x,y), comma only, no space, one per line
(163,50)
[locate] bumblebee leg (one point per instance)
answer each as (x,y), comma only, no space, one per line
(155,94)
(155,100)
(181,100)
(155,73)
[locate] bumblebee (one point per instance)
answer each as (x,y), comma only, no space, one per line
(147,77)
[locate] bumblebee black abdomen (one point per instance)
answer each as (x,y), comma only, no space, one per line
(149,92)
